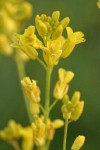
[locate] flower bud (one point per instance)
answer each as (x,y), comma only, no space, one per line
(65,75)
(55,15)
(65,22)
(58,32)
(41,27)
(35,109)
(65,99)
(77,111)
(78,143)
(66,110)
(58,123)
(31,89)
(75,98)
(60,90)
(39,129)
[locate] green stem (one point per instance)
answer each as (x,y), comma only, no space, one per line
(43,110)
(21,72)
(47,93)
(47,100)
(48,144)
(42,63)
(65,134)
(52,105)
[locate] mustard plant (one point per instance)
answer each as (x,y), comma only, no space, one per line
(54,47)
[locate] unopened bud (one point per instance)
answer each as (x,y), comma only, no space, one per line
(78,143)
(35,109)
(77,111)
(58,123)
(55,15)
(75,98)
(58,32)
(65,75)
(65,22)
(41,27)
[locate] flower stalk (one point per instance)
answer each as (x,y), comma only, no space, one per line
(65,135)
(47,92)
(21,73)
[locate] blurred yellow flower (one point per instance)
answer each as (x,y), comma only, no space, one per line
(78,143)
(98,4)
(5,45)
(13,14)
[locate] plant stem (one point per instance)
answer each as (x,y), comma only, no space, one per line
(47,93)
(48,145)
(43,110)
(52,105)
(21,72)
(42,63)
(47,101)
(65,134)
(15,145)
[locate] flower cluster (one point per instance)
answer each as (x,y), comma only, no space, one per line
(72,109)
(15,131)
(54,45)
(43,132)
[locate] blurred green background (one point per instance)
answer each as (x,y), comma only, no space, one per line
(84,62)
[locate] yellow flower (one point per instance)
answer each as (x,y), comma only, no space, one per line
(73,39)
(15,131)
(39,131)
(28,42)
(52,53)
(18,10)
(72,109)
(52,126)
(98,4)
(25,10)
(27,138)
(77,111)
(12,131)
(78,143)
(62,86)
(42,131)
(31,89)
(6,19)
